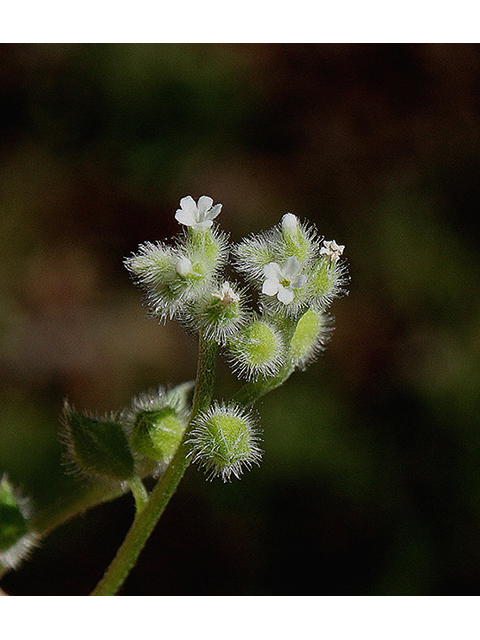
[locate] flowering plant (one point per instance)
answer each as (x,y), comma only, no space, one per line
(271,322)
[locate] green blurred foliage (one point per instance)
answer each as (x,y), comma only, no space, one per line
(370,483)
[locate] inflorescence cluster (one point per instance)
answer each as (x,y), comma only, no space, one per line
(291,273)
(270,319)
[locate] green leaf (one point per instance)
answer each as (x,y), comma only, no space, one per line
(98,446)
(13,524)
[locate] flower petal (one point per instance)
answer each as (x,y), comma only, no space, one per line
(185,217)
(285,295)
(272,271)
(213,212)
(270,287)
(188,205)
(204,204)
(298,281)
(292,267)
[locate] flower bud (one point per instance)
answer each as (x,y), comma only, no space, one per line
(289,225)
(16,537)
(257,350)
(219,314)
(224,440)
(172,278)
(253,253)
(326,282)
(156,421)
(157,434)
(207,251)
(298,239)
(310,337)
(155,269)
(183,267)
(97,446)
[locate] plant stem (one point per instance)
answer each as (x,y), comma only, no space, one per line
(142,527)
(139,493)
(71,505)
(253,391)
(146,519)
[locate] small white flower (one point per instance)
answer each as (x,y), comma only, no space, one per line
(199,215)
(183,267)
(281,281)
(289,224)
(332,250)
(227,295)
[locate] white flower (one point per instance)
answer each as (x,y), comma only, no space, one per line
(281,281)
(227,295)
(198,216)
(332,250)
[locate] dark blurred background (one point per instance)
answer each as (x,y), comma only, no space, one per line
(370,483)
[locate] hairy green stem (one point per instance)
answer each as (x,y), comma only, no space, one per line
(142,526)
(146,519)
(70,506)
(253,391)
(139,493)
(77,502)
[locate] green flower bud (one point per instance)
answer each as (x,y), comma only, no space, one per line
(156,421)
(298,239)
(208,249)
(158,271)
(157,434)
(16,537)
(174,277)
(310,337)
(179,397)
(326,282)
(13,524)
(253,253)
(224,440)
(219,314)
(97,446)
(257,350)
